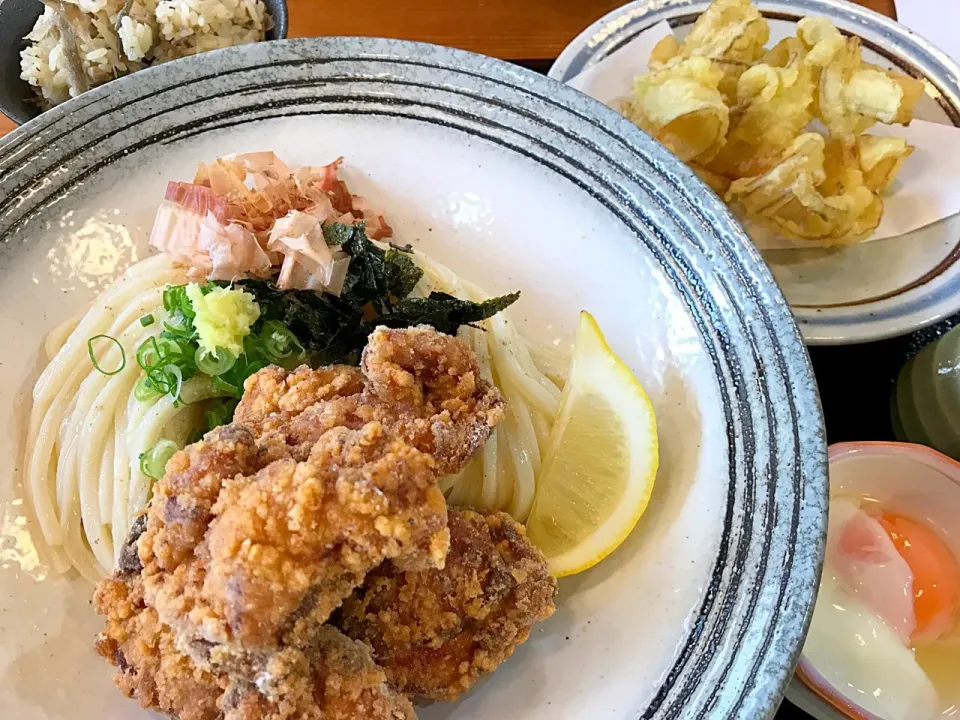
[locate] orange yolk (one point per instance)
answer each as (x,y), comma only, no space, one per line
(936,574)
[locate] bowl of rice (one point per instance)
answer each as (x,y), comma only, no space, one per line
(54,50)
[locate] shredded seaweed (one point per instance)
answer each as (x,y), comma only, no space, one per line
(403,273)
(445,312)
(376,291)
(337,233)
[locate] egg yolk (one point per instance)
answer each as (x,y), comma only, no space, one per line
(936,574)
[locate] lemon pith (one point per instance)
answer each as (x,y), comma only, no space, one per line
(601,462)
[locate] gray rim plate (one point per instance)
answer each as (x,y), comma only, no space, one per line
(743,643)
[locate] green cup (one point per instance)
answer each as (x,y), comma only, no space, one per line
(925,405)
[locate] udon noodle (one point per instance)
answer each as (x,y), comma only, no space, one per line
(504,475)
(88,430)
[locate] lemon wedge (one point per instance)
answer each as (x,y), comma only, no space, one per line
(601,462)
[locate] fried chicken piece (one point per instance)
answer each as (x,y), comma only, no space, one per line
(422,385)
(323,676)
(180,513)
(311,531)
(274,396)
(437,632)
(288,544)
(150,669)
(432,386)
(262,528)
(326,676)
(181,508)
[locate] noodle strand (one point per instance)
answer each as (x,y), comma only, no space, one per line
(88,431)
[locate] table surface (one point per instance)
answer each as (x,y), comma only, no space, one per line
(532,33)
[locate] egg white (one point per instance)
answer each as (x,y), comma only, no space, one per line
(862,659)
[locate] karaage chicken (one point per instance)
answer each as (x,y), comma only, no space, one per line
(423,386)
(438,631)
(256,534)
(324,676)
(272,521)
(150,668)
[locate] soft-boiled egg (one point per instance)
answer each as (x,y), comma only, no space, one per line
(884,641)
(858,664)
(936,577)
(865,561)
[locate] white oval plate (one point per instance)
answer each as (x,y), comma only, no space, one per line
(516,182)
(856,294)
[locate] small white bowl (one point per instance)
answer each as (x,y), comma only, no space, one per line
(919,481)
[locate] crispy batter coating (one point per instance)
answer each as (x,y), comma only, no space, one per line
(432,385)
(172,548)
(437,632)
(274,396)
(182,504)
(258,532)
(323,676)
(149,666)
(360,498)
(422,385)
(269,523)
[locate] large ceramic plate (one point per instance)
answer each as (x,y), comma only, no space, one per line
(861,293)
(516,182)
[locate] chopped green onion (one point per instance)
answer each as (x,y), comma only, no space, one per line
(161,380)
(278,341)
(147,320)
(219,413)
(214,363)
(225,387)
(154,461)
(178,323)
(166,365)
(179,327)
(148,353)
(197,389)
(175,300)
(93,358)
(247,366)
(158,352)
(173,370)
(144,390)
(170,347)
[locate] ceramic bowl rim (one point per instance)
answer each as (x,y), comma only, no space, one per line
(915,452)
(769,565)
